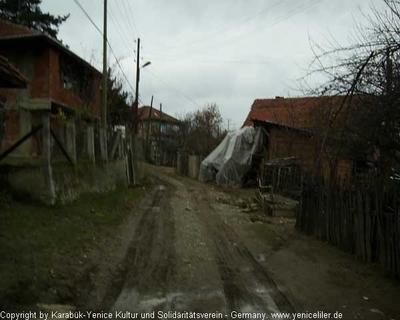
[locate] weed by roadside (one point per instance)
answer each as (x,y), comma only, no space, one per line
(5,197)
(44,248)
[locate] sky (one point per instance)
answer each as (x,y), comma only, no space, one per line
(227,52)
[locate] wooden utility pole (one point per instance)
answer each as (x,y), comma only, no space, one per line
(148,127)
(137,86)
(19,10)
(104,86)
(389,73)
(159,136)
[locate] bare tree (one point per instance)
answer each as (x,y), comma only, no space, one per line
(201,131)
(365,76)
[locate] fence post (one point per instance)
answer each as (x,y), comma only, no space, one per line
(90,143)
(49,195)
(103,143)
(71,140)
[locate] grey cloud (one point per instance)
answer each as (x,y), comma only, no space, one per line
(225,51)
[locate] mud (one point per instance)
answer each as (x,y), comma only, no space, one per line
(184,257)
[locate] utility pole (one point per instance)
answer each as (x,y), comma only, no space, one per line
(104,89)
(19,10)
(148,127)
(159,136)
(137,86)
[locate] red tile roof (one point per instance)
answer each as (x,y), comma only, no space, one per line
(144,114)
(293,112)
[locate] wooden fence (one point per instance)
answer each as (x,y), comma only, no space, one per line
(284,176)
(188,165)
(365,222)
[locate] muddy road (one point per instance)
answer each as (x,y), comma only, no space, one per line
(184,257)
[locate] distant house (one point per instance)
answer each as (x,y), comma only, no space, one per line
(290,124)
(162,132)
(59,82)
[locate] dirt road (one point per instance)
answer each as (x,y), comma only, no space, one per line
(195,247)
(184,257)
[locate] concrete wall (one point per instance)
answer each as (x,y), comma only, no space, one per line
(69,182)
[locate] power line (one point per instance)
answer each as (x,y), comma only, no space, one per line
(109,45)
(87,15)
(129,20)
(127,24)
(133,18)
(173,88)
(120,32)
(224,29)
(280,19)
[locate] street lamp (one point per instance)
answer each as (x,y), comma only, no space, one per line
(137,90)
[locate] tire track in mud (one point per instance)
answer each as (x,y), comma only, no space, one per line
(247,285)
(150,261)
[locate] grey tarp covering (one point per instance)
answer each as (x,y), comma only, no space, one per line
(228,163)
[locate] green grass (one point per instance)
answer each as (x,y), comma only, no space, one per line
(32,236)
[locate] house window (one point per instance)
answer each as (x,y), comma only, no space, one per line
(69,83)
(76,78)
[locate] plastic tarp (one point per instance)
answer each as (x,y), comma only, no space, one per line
(229,163)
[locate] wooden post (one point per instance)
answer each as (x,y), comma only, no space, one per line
(90,143)
(103,143)
(114,144)
(136,123)
(105,73)
(148,128)
(272,191)
(159,136)
(49,195)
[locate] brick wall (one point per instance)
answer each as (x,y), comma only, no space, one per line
(68,97)
(40,84)
(304,148)
(45,64)
(284,144)
(10,29)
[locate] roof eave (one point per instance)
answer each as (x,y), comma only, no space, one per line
(52,41)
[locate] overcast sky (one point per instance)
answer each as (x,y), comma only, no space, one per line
(228,52)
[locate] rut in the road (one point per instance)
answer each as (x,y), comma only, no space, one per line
(153,250)
(150,261)
(247,285)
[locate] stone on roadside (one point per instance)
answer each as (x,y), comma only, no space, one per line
(240,203)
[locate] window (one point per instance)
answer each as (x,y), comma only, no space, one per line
(76,78)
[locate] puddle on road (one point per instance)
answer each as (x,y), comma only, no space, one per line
(132,301)
(203,300)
